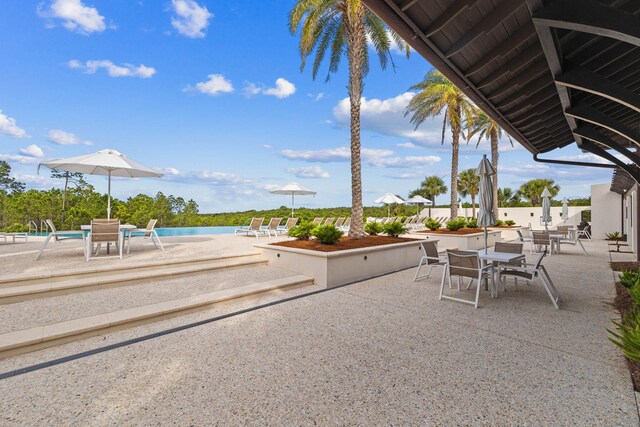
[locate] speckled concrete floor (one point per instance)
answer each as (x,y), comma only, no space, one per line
(380,352)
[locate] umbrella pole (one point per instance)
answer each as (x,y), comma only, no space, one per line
(292,203)
(485,239)
(109,197)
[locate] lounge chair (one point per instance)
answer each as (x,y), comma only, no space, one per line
(104,232)
(255,228)
(13,236)
(329,221)
(273,226)
(430,258)
(146,233)
(291,222)
(346,225)
(317,221)
(59,236)
(530,272)
(339,222)
(465,264)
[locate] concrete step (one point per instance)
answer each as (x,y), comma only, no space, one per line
(42,286)
(40,337)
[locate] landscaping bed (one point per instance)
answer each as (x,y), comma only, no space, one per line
(344,243)
(461,232)
(625,265)
(624,303)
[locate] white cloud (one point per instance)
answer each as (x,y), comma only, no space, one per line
(61,137)
(309,172)
(316,97)
(75,16)
(282,89)
(267,146)
(407,145)
(378,158)
(39,182)
(125,70)
(25,160)
(169,171)
(190,19)
(216,85)
(32,151)
(410,175)
(8,126)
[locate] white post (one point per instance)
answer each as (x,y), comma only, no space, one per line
(293,202)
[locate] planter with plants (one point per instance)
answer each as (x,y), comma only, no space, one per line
(332,259)
(461,233)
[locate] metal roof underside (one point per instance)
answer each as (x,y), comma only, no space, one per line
(550,72)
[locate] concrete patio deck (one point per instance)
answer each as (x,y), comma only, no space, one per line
(380,352)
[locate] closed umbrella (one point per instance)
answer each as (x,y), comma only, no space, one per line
(107,162)
(565,210)
(388,199)
(294,189)
(546,207)
(417,199)
(485,197)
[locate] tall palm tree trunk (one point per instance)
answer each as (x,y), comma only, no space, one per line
(455,148)
(356,46)
(494,163)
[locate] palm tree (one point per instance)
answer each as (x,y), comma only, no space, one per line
(507,197)
(431,187)
(532,190)
(487,128)
(335,26)
(469,185)
(437,95)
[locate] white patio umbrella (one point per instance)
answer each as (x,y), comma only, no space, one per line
(485,197)
(294,189)
(565,210)
(388,199)
(417,199)
(107,162)
(546,207)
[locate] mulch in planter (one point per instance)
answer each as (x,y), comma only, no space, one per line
(626,265)
(344,243)
(624,303)
(460,232)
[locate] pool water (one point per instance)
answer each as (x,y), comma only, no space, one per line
(180,231)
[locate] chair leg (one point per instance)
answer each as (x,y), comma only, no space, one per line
(154,233)
(582,246)
(444,275)
(475,305)
(44,245)
(415,278)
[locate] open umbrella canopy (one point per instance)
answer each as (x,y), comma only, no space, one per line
(417,199)
(107,162)
(293,189)
(546,207)
(486,217)
(388,199)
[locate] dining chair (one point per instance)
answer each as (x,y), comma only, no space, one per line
(541,238)
(465,264)
(510,248)
(430,258)
(531,272)
(103,232)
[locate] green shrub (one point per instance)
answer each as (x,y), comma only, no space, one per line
(629,278)
(432,224)
(472,223)
(499,223)
(456,224)
(303,231)
(509,222)
(327,234)
(16,228)
(394,229)
(373,228)
(627,336)
(613,236)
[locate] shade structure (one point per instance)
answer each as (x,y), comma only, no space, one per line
(388,199)
(565,210)
(485,196)
(417,199)
(107,162)
(546,207)
(294,189)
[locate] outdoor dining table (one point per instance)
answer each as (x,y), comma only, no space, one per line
(499,257)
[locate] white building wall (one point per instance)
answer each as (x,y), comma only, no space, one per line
(522,216)
(606,211)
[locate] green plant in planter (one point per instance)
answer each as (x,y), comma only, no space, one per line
(509,222)
(303,231)
(432,224)
(373,228)
(456,224)
(613,236)
(472,223)
(327,234)
(499,223)
(394,229)
(627,336)
(629,278)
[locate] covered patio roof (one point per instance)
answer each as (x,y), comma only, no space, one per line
(551,73)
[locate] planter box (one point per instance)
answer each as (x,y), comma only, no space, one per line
(331,269)
(508,234)
(464,241)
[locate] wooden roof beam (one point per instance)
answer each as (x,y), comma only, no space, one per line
(586,113)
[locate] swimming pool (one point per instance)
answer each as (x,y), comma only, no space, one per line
(181,231)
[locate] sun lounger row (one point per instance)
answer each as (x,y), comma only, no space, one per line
(13,236)
(256,226)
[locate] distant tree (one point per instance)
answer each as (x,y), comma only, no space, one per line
(469,185)
(73,178)
(430,187)
(334,26)
(7,182)
(508,198)
(532,190)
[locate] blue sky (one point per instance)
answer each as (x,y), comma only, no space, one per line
(211,92)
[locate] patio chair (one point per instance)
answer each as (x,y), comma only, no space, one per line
(329,221)
(584,232)
(59,236)
(103,232)
(430,258)
(255,228)
(465,264)
(530,272)
(541,238)
(146,233)
(573,240)
(510,248)
(339,222)
(525,238)
(273,226)
(317,221)
(291,222)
